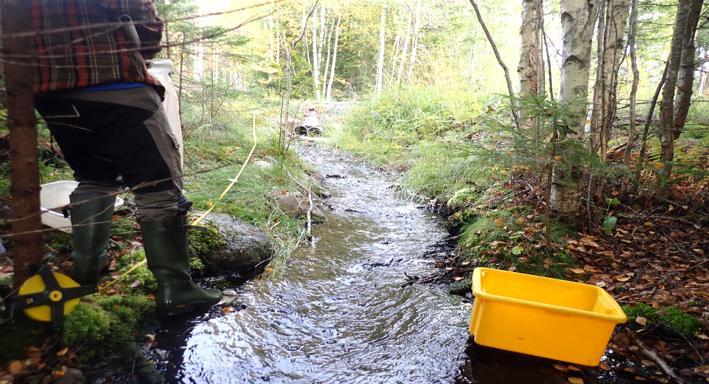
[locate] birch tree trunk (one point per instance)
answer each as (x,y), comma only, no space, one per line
(414,40)
(685,78)
(396,47)
(610,59)
(578,18)
(24,165)
(316,60)
(379,82)
(328,96)
(632,131)
(668,94)
(404,50)
(328,54)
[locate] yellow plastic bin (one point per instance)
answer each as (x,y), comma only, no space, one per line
(544,317)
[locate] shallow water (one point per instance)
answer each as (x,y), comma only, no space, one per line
(346,311)
(341,312)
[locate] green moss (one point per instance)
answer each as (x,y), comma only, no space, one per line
(124,227)
(669,317)
(141,277)
(462,198)
(88,325)
(204,240)
(106,326)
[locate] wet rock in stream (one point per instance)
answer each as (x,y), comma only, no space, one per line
(296,204)
(238,248)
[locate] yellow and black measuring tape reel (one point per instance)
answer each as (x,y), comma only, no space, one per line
(49,297)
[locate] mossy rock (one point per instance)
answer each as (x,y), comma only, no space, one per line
(228,245)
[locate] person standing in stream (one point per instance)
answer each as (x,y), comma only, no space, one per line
(105,111)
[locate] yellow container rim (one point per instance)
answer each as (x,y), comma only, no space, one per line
(617,318)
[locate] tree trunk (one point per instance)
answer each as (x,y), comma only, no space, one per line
(668,94)
(414,41)
(316,60)
(24,168)
(578,19)
(529,67)
(404,50)
(646,130)
(610,59)
(328,96)
(632,131)
(685,78)
(379,83)
(328,54)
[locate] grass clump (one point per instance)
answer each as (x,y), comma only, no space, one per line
(671,318)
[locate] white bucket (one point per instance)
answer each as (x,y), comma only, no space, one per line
(55,196)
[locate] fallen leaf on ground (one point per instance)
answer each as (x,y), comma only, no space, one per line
(641,320)
(575,380)
(62,351)
(15,367)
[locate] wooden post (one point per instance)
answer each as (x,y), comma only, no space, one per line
(24,174)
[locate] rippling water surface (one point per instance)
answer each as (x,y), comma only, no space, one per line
(342,312)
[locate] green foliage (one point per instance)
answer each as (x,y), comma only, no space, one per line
(670,317)
(106,325)
(89,324)
(409,115)
(141,277)
(124,227)
(609,223)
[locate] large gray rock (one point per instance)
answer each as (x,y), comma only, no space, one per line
(238,248)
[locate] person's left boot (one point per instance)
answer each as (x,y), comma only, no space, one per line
(91,215)
(166,249)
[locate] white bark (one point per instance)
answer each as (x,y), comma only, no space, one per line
(334,60)
(379,83)
(328,54)
(578,18)
(530,67)
(316,60)
(404,50)
(414,40)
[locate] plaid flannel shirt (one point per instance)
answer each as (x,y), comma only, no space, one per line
(82,44)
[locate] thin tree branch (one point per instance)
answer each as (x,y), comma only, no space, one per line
(499,60)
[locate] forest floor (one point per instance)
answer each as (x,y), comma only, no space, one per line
(652,262)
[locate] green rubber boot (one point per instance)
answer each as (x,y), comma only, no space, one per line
(91,216)
(166,249)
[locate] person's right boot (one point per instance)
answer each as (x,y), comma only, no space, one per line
(166,249)
(91,215)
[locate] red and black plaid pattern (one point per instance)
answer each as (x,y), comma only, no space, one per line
(82,43)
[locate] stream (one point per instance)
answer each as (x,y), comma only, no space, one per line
(346,311)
